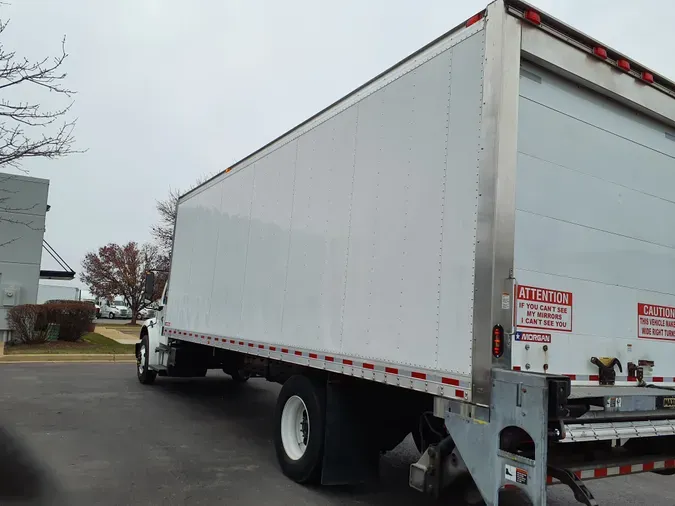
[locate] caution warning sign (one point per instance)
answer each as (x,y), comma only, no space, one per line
(541,308)
(656,322)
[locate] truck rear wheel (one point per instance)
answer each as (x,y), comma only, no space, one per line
(145,375)
(300,418)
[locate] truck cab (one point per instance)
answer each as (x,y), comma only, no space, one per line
(114,309)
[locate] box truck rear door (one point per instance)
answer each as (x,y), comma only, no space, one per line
(595,234)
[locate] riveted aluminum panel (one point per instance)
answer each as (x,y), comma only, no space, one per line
(354,234)
(595,218)
(317,257)
(460,194)
(493,283)
(196,253)
(267,250)
(391,307)
(233,234)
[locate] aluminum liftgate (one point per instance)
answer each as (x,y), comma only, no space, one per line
(507,445)
(523,429)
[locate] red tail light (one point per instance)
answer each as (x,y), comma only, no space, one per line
(497,341)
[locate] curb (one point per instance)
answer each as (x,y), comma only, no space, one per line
(65,357)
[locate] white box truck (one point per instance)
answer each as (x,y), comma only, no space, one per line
(46,293)
(475,246)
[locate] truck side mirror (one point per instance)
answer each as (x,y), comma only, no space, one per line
(149,290)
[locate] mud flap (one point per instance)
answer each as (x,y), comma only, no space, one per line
(349,457)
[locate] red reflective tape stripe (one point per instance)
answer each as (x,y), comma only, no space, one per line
(459,393)
(241,343)
(577,474)
(450,381)
(648,466)
(508,486)
(573,377)
(273,348)
(313,355)
(298,353)
(329,359)
(346,361)
(418,375)
(625,470)
(632,378)
(284,350)
(231,341)
(600,473)
(261,346)
(594,377)
(516,368)
(216,339)
(190,334)
(657,379)
(250,345)
(368,366)
(549,479)
(669,463)
(388,370)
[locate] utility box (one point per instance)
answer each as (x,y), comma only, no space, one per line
(10,295)
(23,206)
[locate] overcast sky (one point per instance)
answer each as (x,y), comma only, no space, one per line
(169,90)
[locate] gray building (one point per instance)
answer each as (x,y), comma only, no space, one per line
(23,208)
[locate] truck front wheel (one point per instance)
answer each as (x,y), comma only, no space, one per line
(300,418)
(145,375)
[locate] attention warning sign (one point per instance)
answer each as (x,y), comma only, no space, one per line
(656,322)
(541,308)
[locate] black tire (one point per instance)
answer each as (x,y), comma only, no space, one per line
(111,316)
(238,376)
(200,372)
(145,375)
(307,468)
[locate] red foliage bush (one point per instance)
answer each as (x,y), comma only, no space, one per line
(74,318)
(31,321)
(25,322)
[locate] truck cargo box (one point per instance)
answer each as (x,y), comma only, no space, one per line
(474,247)
(517,183)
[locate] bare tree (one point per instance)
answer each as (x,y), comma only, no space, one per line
(23,132)
(163,230)
(26,129)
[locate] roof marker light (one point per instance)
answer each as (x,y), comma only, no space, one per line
(600,52)
(623,65)
(648,77)
(474,19)
(533,17)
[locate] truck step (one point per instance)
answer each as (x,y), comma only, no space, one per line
(576,433)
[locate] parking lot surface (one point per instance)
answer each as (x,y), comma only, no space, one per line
(91,434)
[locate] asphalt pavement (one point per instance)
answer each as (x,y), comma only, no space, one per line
(82,434)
